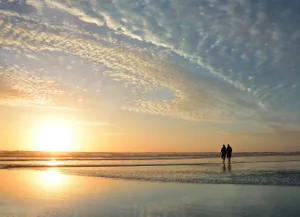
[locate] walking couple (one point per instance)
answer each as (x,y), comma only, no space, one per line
(226,151)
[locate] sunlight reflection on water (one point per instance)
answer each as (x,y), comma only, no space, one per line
(50,177)
(54,162)
(51,180)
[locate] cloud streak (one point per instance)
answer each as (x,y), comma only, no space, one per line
(226,61)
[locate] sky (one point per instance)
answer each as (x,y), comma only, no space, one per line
(141,75)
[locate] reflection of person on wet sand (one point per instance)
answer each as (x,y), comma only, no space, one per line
(224,168)
(229,167)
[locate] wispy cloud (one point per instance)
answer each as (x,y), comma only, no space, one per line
(70,9)
(226,60)
(190,100)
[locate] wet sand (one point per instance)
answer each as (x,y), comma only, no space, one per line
(28,193)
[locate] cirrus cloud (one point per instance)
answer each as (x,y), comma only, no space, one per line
(225,61)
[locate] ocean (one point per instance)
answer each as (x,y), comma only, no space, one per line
(255,169)
(150,185)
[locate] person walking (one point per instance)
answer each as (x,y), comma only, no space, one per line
(229,152)
(223,153)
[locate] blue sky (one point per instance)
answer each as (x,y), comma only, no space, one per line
(227,67)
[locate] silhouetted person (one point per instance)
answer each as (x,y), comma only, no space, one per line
(223,153)
(229,152)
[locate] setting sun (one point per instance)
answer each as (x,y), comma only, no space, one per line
(55,135)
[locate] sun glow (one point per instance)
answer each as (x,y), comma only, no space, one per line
(55,135)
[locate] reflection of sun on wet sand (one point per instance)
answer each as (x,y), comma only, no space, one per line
(50,177)
(51,180)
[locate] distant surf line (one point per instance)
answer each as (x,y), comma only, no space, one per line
(12,166)
(178,156)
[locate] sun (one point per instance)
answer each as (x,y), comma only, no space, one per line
(55,136)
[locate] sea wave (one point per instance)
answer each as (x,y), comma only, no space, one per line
(66,156)
(61,164)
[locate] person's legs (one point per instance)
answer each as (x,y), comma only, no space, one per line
(229,157)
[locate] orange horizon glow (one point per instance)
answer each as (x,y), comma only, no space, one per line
(54,132)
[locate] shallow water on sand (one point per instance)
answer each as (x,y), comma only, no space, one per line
(249,186)
(49,193)
(268,170)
